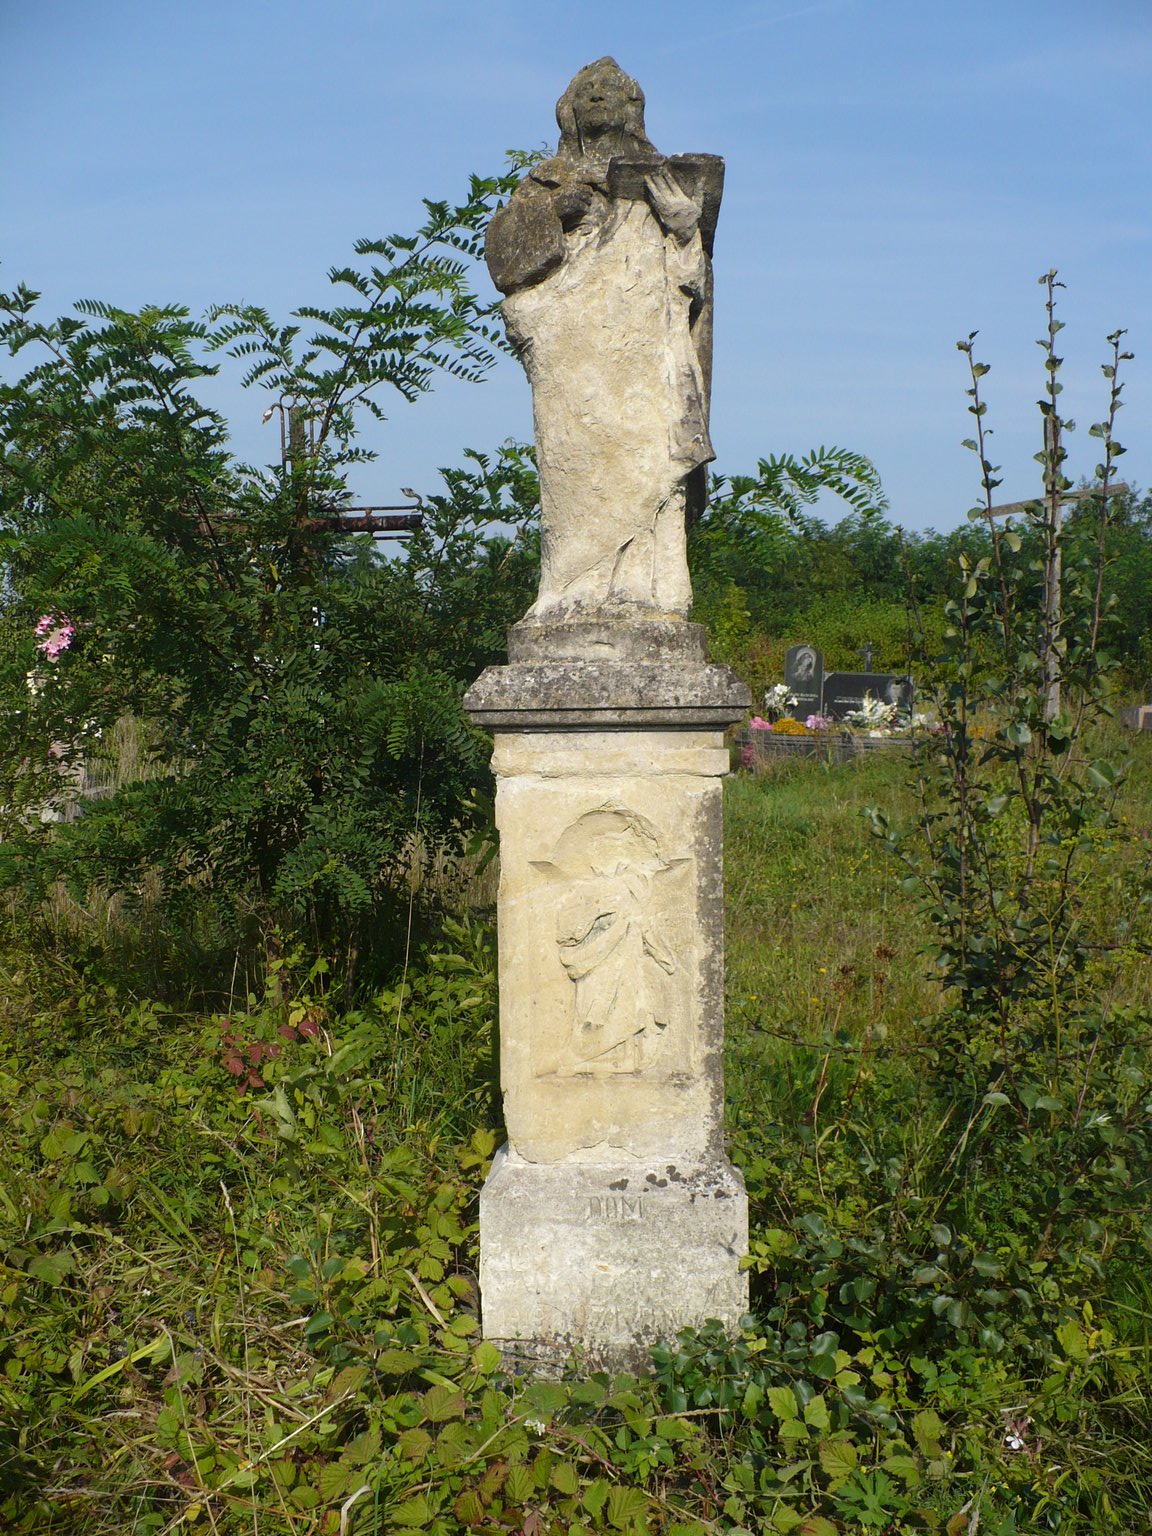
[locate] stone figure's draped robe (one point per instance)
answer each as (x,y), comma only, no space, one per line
(620,407)
(608,950)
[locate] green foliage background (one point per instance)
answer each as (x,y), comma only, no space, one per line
(296,699)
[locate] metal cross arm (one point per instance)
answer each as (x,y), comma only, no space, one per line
(395,522)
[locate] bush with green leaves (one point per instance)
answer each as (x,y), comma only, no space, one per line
(1018,821)
(768,572)
(297,698)
(1038,898)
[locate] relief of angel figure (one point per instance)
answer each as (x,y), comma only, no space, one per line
(623,970)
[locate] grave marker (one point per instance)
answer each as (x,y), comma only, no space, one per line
(612,1218)
(804,678)
(844,692)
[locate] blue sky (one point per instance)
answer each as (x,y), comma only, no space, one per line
(900,172)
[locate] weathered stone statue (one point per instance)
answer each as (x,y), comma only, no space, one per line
(603,253)
(612,1217)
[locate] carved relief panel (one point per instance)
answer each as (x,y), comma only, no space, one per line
(619,900)
(610,945)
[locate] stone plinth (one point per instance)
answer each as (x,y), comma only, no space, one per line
(602,1260)
(612,1218)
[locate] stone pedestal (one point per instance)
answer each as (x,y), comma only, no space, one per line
(601,1260)
(612,1218)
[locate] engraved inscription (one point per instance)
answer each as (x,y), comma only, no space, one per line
(614,1208)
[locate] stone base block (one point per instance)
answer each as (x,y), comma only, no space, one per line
(1138,718)
(602,1260)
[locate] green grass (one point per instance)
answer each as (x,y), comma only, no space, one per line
(819,934)
(825,961)
(232,1311)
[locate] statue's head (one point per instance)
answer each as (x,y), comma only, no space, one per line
(602,111)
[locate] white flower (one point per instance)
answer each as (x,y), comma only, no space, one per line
(1016,1434)
(873,715)
(778,699)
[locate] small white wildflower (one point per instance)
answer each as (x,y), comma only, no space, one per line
(1016,1434)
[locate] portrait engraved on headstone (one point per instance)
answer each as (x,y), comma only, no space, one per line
(900,691)
(603,254)
(804,679)
(614,943)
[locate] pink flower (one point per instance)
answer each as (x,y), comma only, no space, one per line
(760,725)
(816,723)
(54,633)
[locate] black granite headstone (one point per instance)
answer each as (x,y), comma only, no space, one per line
(804,677)
(844,691)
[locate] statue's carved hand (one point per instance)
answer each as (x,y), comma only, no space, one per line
(677,211)
(571,202)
